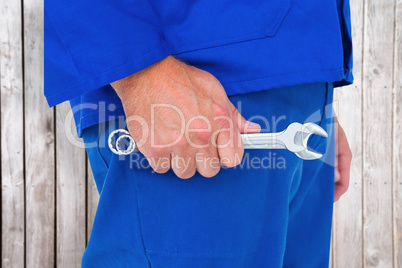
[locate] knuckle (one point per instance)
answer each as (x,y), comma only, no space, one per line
(206,76)
(203,136)
(157,152)
(224,123)
(198,125)
(200,131)
(221,111)
(181,144)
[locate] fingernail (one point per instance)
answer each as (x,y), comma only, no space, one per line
(252,125)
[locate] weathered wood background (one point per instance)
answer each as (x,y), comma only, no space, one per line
(48,197)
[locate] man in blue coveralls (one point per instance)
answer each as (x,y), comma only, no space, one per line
(186,78)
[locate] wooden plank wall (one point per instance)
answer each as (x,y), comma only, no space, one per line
(48,197)
(48,200)
(397,137)
(347,228)
(367,223)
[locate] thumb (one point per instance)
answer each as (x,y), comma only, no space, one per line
(243,125)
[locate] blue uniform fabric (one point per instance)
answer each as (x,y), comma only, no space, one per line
(273,214)
(248,45)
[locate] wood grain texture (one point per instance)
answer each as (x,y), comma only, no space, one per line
(377,132)
(71,180)
(397,138)
(12,137)
(348,210)
(49,197)
(39,146)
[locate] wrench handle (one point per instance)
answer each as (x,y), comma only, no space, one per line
(263,141)
(250,141)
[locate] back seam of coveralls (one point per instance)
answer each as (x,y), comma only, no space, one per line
(100,126)
(139,218)
(325,108)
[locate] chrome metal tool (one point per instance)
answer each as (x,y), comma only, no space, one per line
(294,138)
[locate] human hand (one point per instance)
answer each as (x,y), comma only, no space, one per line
(181,118)
(342,161)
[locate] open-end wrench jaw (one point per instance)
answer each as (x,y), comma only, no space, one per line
(294,138)
(304,135)
(301,134)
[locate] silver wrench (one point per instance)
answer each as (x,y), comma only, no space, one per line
(294,138)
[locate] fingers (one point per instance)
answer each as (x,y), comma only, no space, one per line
(206,156)
(205,146)
(183,166)
(207,162)
(242,124)
(191,93)
(158,159)
(342,183)
(228,142)
(343,164)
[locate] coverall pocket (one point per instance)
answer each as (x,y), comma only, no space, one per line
(203,24)
(236,219)
(225,218)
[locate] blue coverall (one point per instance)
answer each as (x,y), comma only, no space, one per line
(275,57)
(273,210)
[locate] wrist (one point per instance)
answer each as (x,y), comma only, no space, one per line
(129,83)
